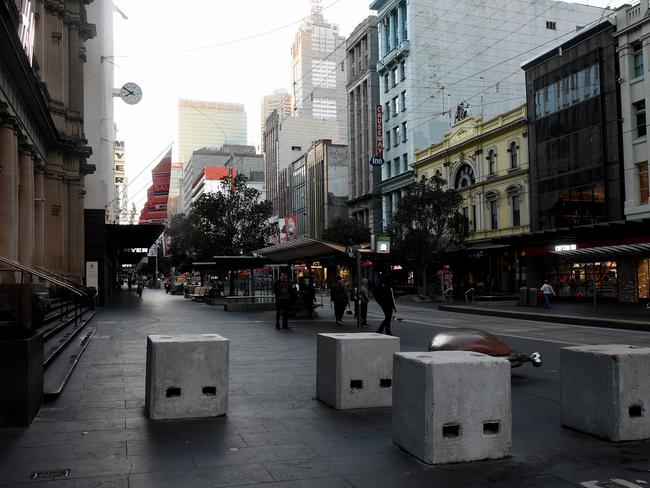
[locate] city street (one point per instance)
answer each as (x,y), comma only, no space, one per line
(276,433)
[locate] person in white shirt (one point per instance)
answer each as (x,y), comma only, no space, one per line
(548,291)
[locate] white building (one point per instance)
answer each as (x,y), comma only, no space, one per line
(435,55)
(243,159)
(317,72)
(202,123)
(279,100)
(633,36)
(99,125)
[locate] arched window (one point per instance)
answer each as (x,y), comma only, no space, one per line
(513,150)
(464,176)
(492,202)
(514,199)
(492,162)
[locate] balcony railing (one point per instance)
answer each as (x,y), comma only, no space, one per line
(401,50)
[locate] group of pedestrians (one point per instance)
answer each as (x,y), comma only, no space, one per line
(340,298)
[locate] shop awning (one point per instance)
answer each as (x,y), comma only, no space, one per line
(132,242)
(300,249)
(606,252)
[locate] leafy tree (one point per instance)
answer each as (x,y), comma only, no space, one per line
(347,231)
(428,222)
(232,222)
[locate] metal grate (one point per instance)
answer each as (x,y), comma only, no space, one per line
(55,474)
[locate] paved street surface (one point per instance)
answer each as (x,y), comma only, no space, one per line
(276,434)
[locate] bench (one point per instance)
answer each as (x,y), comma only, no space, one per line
(249,303)
(199,294)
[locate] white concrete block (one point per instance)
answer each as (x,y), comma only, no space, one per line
(355,370)
(187,376)
(606,391)
(452,406)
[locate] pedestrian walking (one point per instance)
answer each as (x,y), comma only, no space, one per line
(140,287)
(339,296)
(547,290)
(363,297)
(386,300)
(282,291)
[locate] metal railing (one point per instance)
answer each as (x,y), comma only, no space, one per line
(469,296)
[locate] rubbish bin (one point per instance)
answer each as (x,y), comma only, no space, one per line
(523,296)
(532,297)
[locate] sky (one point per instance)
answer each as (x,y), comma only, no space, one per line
(218,50)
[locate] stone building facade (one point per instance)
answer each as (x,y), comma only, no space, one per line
(43,149)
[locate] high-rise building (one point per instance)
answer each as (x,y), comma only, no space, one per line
(317,77)
(279,100)
(242,159)
(202,124)
(436,58)
(363,97)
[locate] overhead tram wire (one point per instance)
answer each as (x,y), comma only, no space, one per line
(226,43)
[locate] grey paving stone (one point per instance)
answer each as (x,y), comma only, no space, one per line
(203,478)
(253,455)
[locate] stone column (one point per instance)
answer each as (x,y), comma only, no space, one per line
(75,229)
(53,239)
(8,202)
(26,207)
(39,216)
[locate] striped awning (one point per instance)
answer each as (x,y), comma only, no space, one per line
(606,252)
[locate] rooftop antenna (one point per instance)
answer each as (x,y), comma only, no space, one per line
(316,8)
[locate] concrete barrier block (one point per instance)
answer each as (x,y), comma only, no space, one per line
(355,370)
(452,406)
(605,391)
(187,376)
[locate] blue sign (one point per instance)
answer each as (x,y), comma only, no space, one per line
(376,161)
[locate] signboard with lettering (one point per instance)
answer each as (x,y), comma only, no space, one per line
(379,141)
(27,28)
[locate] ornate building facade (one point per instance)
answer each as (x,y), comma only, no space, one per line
(43,149)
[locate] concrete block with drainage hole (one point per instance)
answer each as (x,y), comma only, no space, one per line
(187,376)
(355,370)
(452,406)
(605,391)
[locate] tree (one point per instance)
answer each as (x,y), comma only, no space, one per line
(347,231)
(428,222)
(231,222)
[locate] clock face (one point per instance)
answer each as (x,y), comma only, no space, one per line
(131,93)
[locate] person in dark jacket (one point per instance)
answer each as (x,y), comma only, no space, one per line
(339,296)
(282,291)
(386,300)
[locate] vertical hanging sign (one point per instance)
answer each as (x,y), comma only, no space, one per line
(378,158)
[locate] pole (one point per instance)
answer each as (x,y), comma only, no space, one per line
(595,300)
(358,297)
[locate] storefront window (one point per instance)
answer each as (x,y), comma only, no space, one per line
(572,279)
(643,279)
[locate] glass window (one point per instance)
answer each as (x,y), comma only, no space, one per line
(387,138)
(387,111)
(405,160)
(404,131)
(396,135)
(639,114)
(396,105)
(513,155)
(396,167)
(403,95)
(492,162)
(644,190)
(386,85)
(516,214)
(494,218)
(637,59)
(402,71)
(394,78)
